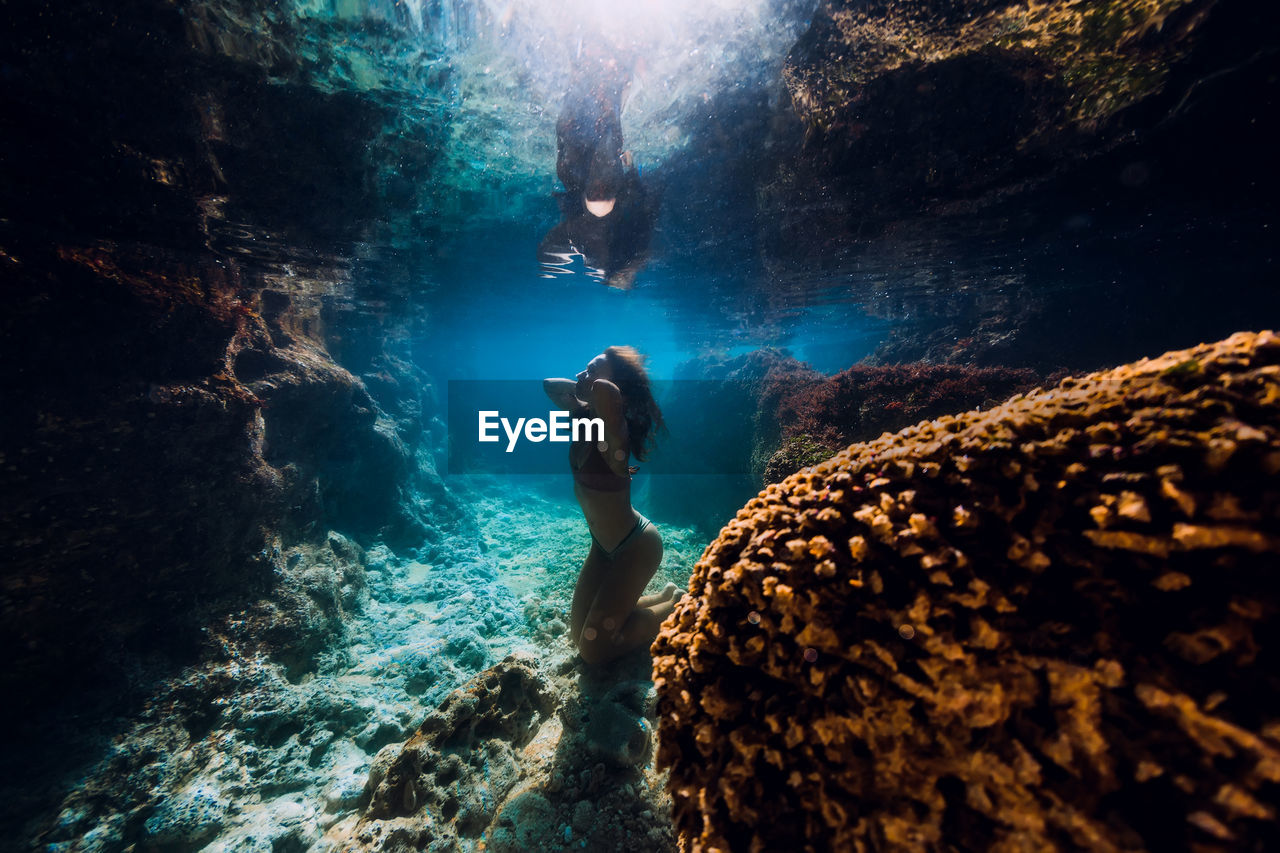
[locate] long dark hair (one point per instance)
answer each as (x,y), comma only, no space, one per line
(644,419)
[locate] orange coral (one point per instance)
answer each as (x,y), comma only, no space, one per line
(1037,626)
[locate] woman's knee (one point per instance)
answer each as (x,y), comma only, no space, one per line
(605,639)
(592,652)
(594,646)
(601,638)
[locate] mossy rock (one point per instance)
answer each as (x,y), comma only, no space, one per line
(797,452)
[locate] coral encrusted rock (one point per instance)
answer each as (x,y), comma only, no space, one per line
(462,762)
(530,755)
(1047,625)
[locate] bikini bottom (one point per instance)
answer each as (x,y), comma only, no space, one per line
(641,524)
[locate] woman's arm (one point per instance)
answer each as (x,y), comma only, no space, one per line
(606,401)
(561,392)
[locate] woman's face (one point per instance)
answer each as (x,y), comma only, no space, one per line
(597,368)
(599,208)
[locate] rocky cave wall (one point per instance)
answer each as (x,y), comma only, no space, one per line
(1021,168)
(190,392)
(1079,129)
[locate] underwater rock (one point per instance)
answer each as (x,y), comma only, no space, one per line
(526,756)
(796,452)
(801,413)
(929,133)
(318,587)
(915,99)
(618,730)
(1041,624)
(188,819)
(234,755)
(786,415)
(524,817)
(477,731)
(176,314)
(163,490)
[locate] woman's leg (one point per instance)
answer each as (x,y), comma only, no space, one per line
(663,608)
(614,625)
(594,569)
(658,598)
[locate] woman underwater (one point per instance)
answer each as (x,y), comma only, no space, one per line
(609,617)
(606,214)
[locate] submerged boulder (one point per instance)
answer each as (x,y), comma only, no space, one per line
(1043,624)
(528,755)
(806,416)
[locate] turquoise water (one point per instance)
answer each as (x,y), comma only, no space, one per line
(380,175)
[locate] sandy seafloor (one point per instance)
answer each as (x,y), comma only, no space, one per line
(286,758)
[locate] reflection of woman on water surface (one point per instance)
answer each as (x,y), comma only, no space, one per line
(609,618)
(605,213)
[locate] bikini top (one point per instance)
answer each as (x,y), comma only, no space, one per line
(595,472)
